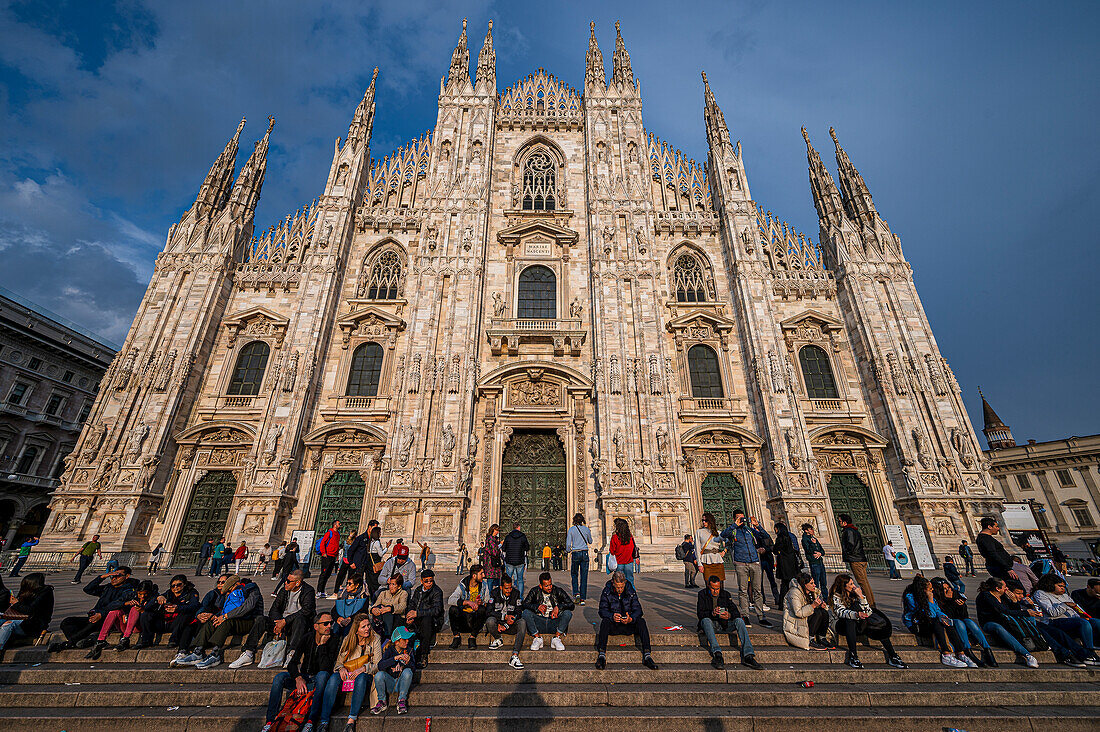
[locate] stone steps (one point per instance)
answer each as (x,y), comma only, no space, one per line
(771,718)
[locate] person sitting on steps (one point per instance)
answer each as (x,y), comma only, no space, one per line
(506,617)
(172,611)
(30,613)
(126,618)
(806,616)
(80,630)
(547,609)
(350,601)
(395,671)
(854,618)
(621,614)
(390,604)
(424,615)
(970,633)
(717,612)
(310,665)
(469,606)
(924,619)
(237,611)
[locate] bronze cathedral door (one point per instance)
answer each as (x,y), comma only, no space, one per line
(532,489)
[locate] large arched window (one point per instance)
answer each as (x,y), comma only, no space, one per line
(385,277)
(688,279)
(249,373)
(706,377)
(538,293)
(366,369)
(539,182)
(26,462)
(816,373)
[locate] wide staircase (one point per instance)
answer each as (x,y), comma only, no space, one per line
(475,690)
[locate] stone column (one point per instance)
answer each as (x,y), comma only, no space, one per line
(1090,485)
(1055,510)
(15,524)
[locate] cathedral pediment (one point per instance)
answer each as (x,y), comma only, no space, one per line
(514,235)
(700,324)
(257,321)
(812,318)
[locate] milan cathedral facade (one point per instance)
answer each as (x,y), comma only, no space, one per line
(537,309)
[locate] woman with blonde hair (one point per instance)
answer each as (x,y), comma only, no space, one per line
(357,663)
(709,546)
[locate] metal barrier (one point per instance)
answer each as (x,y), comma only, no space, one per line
(59,562)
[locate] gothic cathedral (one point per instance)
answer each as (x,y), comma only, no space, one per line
(536,309)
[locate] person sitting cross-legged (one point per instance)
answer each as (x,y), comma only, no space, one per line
(290,617)
(717,612)
(506,617)
(237,612)
(469,606)
(311,665)
(80,630)
(621,614)
(390,604)
(547,609)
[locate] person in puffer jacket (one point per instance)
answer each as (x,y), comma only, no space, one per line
(621,614)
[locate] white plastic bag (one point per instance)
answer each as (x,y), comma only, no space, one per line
(274,654)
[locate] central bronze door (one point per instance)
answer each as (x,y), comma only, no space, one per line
(208,511)
(532,489)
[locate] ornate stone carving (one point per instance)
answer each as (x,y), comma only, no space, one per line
(135,442)
(448,444)
(616,379)
(922,454)
(619,442)
(414,374)
(662,446)
(532,393)
(408,433)
(935,375)
(896,375)
(93,439)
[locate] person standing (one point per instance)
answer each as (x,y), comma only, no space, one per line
(343,562)
(624,549)
(815,556)
(491,557)
(218,562)
(515,547)
(888,554)
(206,551)
(547,554)
(967,554)
(710,547)
(328,548)
(239,555)
(24,553)
(998,562)
(577,541)
(463,559)
(851,547)
(289,559)
(87,553)
(746,563)
(764,545)
(686,554)
(265,555)
(277,559)
(788,563)
(154,559)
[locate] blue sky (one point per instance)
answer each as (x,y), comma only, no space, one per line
(974,124)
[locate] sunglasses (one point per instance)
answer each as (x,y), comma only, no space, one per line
(176,584)
(324,622)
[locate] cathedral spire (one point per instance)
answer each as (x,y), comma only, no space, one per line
(215,189)
(460,62)
(487,63)
(621,73)
(246,191)
(996,432)
(830,207)
(363,121)
(717,132)
(857,199)
(594,76)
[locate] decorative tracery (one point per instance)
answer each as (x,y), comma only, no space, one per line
(385,279)
(539,182)
(689,282)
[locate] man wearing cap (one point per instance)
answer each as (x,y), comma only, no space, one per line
(424,614)
(399,564)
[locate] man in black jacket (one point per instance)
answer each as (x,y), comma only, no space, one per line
(717,611)
(310,664)
(506,617)
(80,630)
(424,614)
(239,606)
(998,562)
(205,553)
(851,547)
(547,609)
(290,617)
(621,614)
(515,547)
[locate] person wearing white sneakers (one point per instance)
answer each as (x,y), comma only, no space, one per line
(547,609)
(506,617)
(924,619)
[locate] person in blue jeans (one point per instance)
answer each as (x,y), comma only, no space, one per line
(815,556)
(24,554)
(515,547)
(395,671)
(357,663)
(310,667)
(577,542)
(1062,612)
(717,612)
(951,573)
(970,633)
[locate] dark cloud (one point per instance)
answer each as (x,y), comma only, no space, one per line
(973,127)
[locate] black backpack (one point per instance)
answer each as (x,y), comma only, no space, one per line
(681,553)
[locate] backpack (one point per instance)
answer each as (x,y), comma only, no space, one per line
(317,546)
(681,553)
(294,713)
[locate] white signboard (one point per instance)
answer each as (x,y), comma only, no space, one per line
(1018,517)
(922,553)
(902,557)
(305,546)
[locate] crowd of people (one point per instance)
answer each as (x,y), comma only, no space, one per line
(372,641)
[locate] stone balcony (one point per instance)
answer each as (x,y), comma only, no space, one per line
(506,335)
(707,408)
(369,408)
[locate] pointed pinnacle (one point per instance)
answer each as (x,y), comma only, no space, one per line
(240,127)
(270,123)
(374,76)
(592,27)
(805,136)
(832,134)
